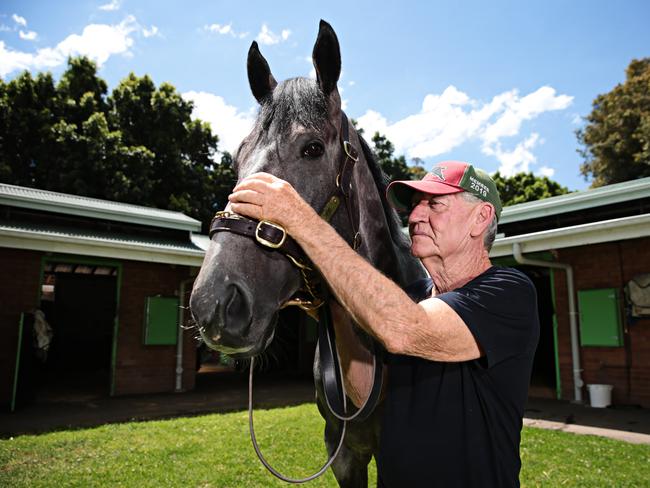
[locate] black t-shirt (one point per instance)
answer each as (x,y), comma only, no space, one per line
(458,424)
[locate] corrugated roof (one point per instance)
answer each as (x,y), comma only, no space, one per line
(49,201)
(587,199)
(47,238)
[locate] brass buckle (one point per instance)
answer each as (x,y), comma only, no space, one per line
(265,242)
(350,151)
(226,214)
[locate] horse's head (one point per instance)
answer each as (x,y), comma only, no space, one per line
(242,285)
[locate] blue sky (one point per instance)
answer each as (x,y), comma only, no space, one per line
(501,84)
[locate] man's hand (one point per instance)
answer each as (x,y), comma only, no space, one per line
(263,196)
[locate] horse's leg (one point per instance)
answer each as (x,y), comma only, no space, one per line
(351,465)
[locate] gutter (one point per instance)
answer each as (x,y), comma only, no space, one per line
(573,323)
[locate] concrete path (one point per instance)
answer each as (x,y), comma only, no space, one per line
(624,423)
(228,392)
(619,435)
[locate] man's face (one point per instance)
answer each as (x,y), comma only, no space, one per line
(439,225)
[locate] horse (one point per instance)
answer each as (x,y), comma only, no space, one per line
(242,284)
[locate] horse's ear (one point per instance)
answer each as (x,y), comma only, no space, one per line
(327,58)
(259,74)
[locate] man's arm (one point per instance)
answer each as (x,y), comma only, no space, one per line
(431,329)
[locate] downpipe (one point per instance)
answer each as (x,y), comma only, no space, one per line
(573,322)
(179,340)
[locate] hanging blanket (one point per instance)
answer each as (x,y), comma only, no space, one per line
(637,292)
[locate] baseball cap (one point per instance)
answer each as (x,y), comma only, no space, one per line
(446,178)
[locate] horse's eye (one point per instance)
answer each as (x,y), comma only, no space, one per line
(313,150)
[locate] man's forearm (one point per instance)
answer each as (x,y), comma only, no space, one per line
(376,303)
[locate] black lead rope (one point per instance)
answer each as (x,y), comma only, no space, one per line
(325,317)
(332,376)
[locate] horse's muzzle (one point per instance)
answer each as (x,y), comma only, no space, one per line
(224,317)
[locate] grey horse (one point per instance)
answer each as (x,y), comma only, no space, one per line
(242,286)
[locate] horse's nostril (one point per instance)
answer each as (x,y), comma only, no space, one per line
(238,308)
(203,309)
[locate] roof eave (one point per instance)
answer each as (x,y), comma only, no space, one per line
(88,246)
(578,235)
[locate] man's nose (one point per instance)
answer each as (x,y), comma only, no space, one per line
(417,214)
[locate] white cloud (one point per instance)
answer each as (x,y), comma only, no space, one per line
(576,119)
(268,37)
(28,36)
(226,121)
(452,118)
(516,110)
(224,29)
(546,171)
(517,160)
(97,41)
(151,32)
(352,83)
(19,20)
(5,28)
(114,5)
(219,29)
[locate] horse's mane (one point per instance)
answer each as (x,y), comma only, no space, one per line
(381,182)
(296,100)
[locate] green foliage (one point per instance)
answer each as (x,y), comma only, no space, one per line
(394,167)
(526,187)
(137,145)
(215,451)
(616,138)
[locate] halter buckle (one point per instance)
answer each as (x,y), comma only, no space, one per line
(265,242)
(226,214)
(350,151)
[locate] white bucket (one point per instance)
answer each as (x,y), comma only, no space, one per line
(600,396)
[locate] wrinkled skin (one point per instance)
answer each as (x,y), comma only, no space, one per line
(242,285)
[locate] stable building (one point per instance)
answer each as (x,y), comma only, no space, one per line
(588,254)
(111,281)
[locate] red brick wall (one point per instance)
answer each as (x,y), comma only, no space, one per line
(609,265)
(18,293)
(149,369)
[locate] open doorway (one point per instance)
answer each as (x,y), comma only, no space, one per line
(79,301)
(543,378)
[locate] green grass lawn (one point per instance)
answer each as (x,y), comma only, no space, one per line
(215,451)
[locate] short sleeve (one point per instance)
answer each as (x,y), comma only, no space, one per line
(500,309)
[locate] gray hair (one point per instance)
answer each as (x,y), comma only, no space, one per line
(491,231)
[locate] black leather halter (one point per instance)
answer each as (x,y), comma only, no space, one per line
(273,236)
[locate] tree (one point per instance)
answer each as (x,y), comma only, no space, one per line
(616,138)
(137,145)
(526,187)
(395,168)
(416,169)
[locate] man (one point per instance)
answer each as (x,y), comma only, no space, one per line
(461,345)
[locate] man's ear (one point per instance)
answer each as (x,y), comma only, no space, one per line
(482,219)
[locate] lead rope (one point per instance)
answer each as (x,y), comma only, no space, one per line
(261,457)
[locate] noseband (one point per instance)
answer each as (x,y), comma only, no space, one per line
(311,297)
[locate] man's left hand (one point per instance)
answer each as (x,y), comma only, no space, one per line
(263,196)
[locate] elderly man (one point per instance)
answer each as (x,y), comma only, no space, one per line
(461,344)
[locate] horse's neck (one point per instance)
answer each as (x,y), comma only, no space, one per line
(389,253)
